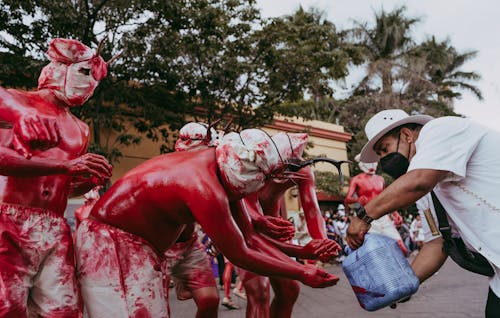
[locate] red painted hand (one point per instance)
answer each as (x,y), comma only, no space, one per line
(318,278)
(35,132)
(330,250)
(275,227)
(322,249)
(90,165)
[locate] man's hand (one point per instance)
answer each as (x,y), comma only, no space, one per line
(274,227)
(318,278)
(356,232)
(35,132)
(91,166)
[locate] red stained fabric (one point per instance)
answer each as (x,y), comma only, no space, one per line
(37,274)
(189,267)
(119,273)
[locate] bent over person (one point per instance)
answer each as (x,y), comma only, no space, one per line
(457,159)
(119,248)
(36,250)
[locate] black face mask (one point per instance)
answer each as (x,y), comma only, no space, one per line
(395,164)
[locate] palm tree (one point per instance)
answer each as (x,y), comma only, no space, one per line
(385,45)
(442,68)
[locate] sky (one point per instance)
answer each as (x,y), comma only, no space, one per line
(470,25)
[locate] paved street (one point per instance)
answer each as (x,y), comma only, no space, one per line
(451,293)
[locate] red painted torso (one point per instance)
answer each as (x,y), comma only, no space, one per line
(48,192)
(364,185)
(157,199)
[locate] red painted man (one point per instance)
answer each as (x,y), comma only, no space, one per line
(194,136)
(36,251)
(363,188)
(120,246)
(267,202)
(186,261)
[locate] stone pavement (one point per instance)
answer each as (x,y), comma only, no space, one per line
(450,293)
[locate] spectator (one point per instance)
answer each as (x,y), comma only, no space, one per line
(455,158)
(417,232)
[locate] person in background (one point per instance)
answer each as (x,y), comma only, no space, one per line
(363,188)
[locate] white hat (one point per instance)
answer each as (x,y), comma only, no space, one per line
(383,122)
(341,209)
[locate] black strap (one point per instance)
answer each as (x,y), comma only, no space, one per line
(444,226)
(455,247)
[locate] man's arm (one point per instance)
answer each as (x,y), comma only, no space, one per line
(314,218)
(429,259)
(402,192)
(30,129)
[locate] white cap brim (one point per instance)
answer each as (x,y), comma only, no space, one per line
(369,155)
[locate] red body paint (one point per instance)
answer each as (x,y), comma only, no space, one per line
(35,240)
(156,200)
(362,189)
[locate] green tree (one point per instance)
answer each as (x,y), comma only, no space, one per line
(439,76)
(386,44)
(302,54)
(182,58)
(421,78)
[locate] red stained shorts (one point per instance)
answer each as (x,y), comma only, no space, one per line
(119,273)
(189,267)
(37,265)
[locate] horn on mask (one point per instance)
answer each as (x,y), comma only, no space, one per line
(296,166)
(111,60)
(228,125)
(99,46)
(208,137)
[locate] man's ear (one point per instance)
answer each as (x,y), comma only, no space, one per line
(408,135)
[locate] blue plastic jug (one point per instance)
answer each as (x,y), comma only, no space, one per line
(379,273)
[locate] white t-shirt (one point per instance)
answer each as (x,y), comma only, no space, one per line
(471,192)
(430,224)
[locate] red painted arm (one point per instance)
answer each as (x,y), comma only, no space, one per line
(212,211)
(13,164)
(314,219)
(349,198)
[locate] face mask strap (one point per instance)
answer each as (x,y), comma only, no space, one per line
(399,136)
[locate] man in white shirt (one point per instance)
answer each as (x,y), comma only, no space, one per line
(456,158)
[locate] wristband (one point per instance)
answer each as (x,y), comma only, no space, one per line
(361,213)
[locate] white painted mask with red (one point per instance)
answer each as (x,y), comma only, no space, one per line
(74,71)
(369,168)
(193,136)
(246,160)
(291,145)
